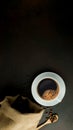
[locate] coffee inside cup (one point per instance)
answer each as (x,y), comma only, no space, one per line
(48,89)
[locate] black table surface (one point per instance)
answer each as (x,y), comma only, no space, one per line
(32,41)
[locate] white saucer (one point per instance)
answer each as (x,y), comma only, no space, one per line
(55,77)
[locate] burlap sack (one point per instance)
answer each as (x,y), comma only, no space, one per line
(19,113)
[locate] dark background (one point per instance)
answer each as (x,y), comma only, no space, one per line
(36,36)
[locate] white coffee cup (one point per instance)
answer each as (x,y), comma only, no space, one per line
(50,76)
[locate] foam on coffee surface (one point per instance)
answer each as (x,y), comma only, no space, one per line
(48,89)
